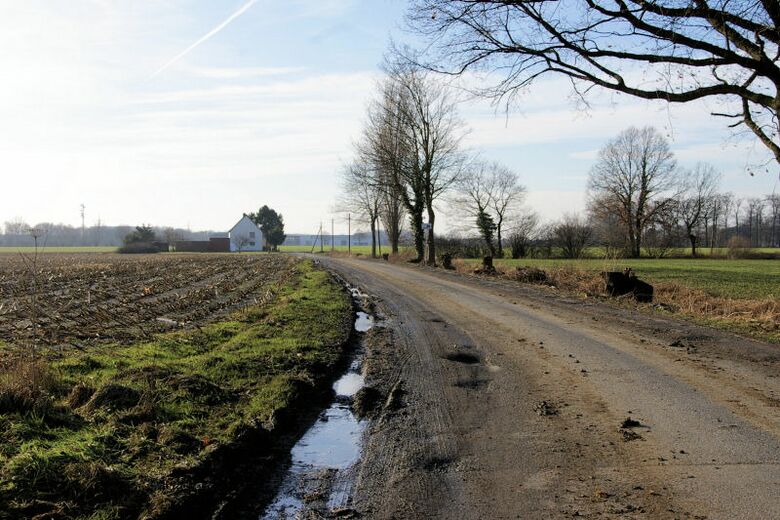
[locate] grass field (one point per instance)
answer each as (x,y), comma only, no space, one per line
(81,249)
(95,431)
(730,278)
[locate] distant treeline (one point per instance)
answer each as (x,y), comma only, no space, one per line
(18,233)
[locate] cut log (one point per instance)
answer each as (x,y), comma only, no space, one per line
(626,282)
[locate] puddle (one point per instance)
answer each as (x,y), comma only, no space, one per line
(363,322)
(349,384)
(321,472)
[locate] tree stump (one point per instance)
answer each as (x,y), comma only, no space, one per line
(626,282)
(446,261)
(385,257)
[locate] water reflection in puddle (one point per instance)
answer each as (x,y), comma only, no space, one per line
(363,322)
(327,452)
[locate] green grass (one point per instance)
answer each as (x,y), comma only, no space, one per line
(192,390)
(718,277)
(59,249)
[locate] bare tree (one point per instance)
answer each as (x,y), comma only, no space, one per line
(489,188)
(392,213)
(241,241)
(388,147)
(521,234)
(737,208)
(432,135)
(754,213)
(16,226)
(629,179)
(773,201)
(673,51)
(696,201)
(506,193)
(362,194)
(572,235)
(473,190)
(721,207)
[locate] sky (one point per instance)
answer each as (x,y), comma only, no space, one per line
(189,113)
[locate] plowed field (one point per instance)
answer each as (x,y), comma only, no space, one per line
(83,298)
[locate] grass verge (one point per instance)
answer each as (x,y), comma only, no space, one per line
(112,425)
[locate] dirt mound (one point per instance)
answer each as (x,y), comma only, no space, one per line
(113,397)
(366,401)
(199,387)
(80,395)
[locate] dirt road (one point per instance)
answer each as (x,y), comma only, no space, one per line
(508,402)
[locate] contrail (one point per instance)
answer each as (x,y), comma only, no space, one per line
(241,10)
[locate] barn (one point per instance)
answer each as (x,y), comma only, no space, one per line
(246,236)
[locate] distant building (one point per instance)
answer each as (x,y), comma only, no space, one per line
(358,239)
(246,236)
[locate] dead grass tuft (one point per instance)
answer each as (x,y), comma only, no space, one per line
(761,312)
(26,384)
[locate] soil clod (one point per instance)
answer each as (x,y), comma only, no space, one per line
(462,357)
(545,408)
(628,422)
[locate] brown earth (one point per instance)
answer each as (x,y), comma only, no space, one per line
(86,298)
(500,400)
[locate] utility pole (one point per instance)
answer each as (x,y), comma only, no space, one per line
(83,207)
(349,233)
(332,236)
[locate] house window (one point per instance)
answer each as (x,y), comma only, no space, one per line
(252,244)
(252,235)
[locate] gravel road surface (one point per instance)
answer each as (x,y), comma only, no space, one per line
(509,401)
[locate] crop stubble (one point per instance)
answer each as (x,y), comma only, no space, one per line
(86,298)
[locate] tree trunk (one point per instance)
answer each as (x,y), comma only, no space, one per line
(498,238)
(692,238)
(431,243)
(373,238)
(415,217)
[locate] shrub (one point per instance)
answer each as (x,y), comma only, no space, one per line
(138,248)
(738,247)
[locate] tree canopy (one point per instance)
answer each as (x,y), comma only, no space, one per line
(271,224)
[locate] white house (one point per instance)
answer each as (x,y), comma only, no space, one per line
(246,236)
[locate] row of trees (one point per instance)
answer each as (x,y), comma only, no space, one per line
(641,202)
(409,161)
(408,156)
(725,51)
(16,232)
(638,197)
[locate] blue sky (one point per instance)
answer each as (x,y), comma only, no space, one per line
(262,112)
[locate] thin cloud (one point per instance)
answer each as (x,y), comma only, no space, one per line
(241,10)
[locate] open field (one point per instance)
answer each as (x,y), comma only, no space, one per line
(84,297)
(96,427)
(58,249)
(719,277)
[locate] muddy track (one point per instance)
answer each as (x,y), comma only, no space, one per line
(510,401)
